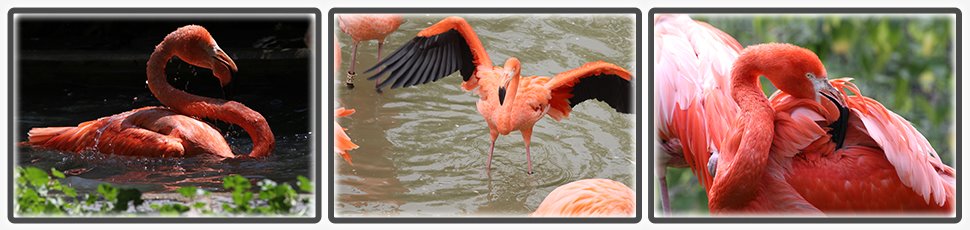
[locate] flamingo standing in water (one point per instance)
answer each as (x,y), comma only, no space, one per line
(814,149)
(508,101)
(692,71)
(365,27)
(589,198)
(168,132)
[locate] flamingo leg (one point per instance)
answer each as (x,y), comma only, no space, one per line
(353,66)
(664,197)
(527,136)
(488,164)
(380,44)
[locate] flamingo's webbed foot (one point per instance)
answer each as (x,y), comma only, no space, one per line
(350,79)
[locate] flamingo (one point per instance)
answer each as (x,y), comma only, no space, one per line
(365,27)
(168,132)
(508,101)
(800,153)
(589,198)
(693,67)
(342,142)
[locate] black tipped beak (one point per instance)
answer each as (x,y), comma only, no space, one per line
(501,95)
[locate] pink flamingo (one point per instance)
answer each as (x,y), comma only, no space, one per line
(508,101)
(364,27)
(172,131)
(692,71)
(814,149)
(589,198)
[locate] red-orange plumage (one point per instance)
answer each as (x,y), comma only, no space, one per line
(781,159)
(589,198)
(342,142)
(508,102)
(167,132)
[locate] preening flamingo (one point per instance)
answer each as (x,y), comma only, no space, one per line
(814,149)
(589,198)
(365,27)
(508,102)
(172,131)
(692,70)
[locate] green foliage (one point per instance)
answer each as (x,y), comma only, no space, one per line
(240,193)
(34,191)
(171,209)
(38,192)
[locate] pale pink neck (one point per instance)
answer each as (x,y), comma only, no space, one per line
(738,173)
(204,107)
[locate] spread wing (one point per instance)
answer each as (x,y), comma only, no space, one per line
(437,51)
(595,80)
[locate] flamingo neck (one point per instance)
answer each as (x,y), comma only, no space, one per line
(735,183)
(204,107)
(512,91)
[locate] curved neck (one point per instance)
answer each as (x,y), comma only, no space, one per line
(204,107)
(513,90)
(738,173)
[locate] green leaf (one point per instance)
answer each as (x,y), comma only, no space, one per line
(56,173)
(304,184)
(188,191)
(36,177)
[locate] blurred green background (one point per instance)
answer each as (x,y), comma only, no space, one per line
(904,62)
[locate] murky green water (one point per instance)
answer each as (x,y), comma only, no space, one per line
(423,149)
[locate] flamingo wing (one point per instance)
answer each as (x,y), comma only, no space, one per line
(595,80)
(916,162)
(693,62)
(437,51)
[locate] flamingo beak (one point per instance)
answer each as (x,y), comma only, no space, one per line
(824,88)
(502,90)
(223,67)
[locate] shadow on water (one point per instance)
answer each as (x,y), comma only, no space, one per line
(423,149)
(101,72)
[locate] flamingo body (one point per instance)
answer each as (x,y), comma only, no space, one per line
(365,27)
(167,132)
(589,198)
(149,131)
(813,149)
(508,101)
(693,68)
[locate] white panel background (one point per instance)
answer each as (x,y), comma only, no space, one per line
(325,6)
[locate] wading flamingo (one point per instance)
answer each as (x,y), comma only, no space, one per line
(168,132)
(365,27)
(692,71)
(589,198)
(508,102)
(814,149)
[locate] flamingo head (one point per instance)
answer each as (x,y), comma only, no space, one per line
(194,45)
(511,74)
(795,70)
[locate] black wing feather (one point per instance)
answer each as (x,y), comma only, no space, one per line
(426,59)
(612,89)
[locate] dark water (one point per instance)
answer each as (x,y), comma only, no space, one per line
(423,149)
